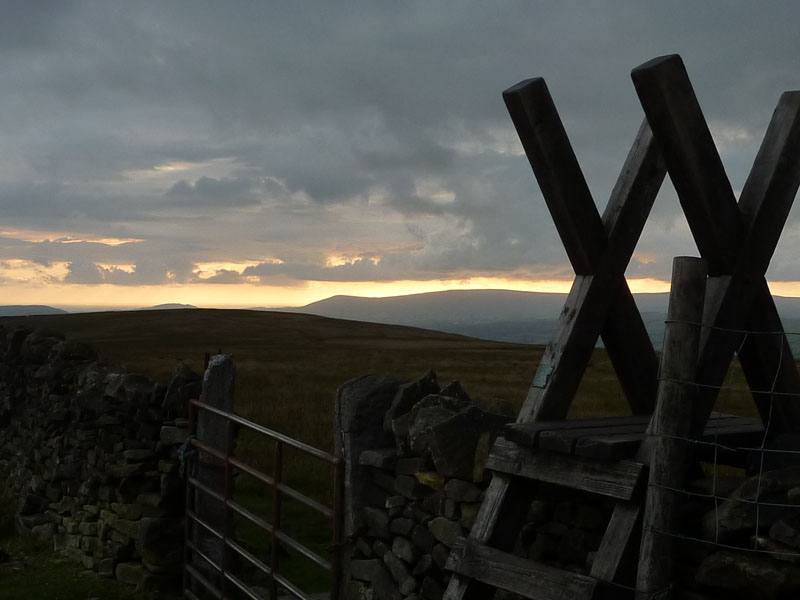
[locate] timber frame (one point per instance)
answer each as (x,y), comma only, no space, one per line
(736,241)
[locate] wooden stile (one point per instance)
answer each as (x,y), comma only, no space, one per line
(736,242)
(600,302)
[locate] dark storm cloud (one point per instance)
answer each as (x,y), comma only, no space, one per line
(209,191)
(250,131)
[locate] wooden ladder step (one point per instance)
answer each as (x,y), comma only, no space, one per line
(615,479)
(526,578)
(529,433)
(727,430)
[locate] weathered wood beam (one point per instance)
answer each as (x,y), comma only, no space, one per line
(600,248)
(527,578)
(556,168)
(738,242)
(616,479)
(693,163)
(671,426)
(508,497)
(616,557)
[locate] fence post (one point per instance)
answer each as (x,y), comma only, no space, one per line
(671,425)
(217,432)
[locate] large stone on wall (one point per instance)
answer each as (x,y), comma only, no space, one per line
(741,576)
(184,385)
(361,404)
(37,346)
(737,515)
(14,341)
(407,396)
(360,407)
(160,542)
(454,442)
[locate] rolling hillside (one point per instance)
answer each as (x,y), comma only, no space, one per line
(290,365)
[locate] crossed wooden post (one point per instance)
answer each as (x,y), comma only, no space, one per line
(736,241)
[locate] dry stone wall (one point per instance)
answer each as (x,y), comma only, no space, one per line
(414,479)
(91,454)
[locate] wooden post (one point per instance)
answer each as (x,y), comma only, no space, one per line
(737,240)
(599,250)
(671,424)
(215,431)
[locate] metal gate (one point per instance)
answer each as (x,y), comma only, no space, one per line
(211,547)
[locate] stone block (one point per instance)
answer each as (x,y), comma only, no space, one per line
(131,573)
(463,491)
(383,458)
(401,526)
(130,511)
(439,554)
(409,487)
(377,520)
(405,549)
(126,527)
(408,395)
(160,542)
(422,538)
(105,567)
(87,528)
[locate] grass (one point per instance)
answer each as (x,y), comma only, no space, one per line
(288,369)
(45,576)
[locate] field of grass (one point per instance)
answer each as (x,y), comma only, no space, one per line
(288,367)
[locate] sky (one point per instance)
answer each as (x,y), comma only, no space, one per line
(251,153)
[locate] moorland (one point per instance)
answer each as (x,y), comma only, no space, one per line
(289,366)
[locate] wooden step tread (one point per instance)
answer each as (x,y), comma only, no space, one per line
(620,479)
(526,578)
(620,437)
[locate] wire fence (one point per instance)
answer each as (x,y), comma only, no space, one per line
(755,497)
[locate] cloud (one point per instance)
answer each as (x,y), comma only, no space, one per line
(208,191)
(371,131)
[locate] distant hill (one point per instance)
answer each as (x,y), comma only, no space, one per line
(23,310)
(500,315)
(169,306)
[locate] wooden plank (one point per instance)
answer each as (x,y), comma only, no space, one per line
(731,431)
(610,447)
(620,541)
(672,424)
(617,479)
(564,440)
(772,184)
(558,173)
(526,578)
(624,333)
(768,364)
(631,352)
(566,356)
(528,433)
(737,240)
(692,160)
(591,251)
